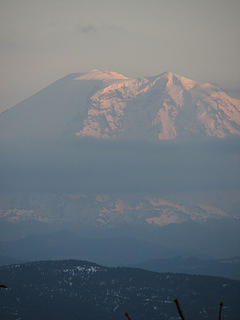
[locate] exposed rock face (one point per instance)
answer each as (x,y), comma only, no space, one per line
(167,106)
(109,105)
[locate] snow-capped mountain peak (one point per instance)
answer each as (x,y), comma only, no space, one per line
(175,107)
(97,74)
(111,105)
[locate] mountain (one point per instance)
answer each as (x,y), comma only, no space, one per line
(79,289)
(110,209)
(229,268)
(108,250)
(66,244)
(108,105)
(123,244)
(160,108)
(110,228)
(107,156)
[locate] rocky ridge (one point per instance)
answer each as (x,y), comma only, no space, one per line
(109,105)
(105,209)
(164,107)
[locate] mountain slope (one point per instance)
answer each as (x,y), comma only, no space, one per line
(79,289)
(107,209)
(106,104)
(229,268)
(164,107)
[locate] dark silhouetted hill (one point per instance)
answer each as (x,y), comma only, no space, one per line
(82,290)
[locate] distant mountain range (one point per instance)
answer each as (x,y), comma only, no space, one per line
(116,251)
(116,229)
(107,209)
(121,244)
(110,157)
(79,289)
(104,104)
(229,268)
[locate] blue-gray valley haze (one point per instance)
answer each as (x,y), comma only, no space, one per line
(121,171)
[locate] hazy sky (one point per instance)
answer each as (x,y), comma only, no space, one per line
(41,41)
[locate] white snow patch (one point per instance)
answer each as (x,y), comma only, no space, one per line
(96,74)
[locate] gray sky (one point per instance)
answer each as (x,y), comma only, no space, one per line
(41,41)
